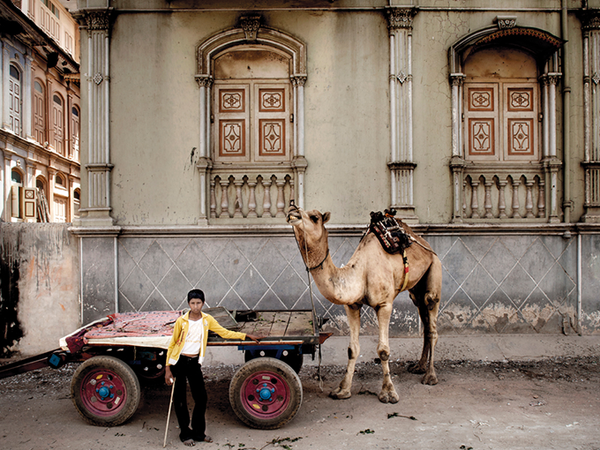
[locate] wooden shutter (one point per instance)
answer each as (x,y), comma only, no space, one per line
(29,203)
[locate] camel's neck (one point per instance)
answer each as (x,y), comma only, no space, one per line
(338,285)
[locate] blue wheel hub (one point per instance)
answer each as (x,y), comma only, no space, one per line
(104,391)
(265,392)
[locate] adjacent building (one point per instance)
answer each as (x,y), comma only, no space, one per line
(40,112)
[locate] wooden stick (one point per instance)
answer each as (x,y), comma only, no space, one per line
(169,414)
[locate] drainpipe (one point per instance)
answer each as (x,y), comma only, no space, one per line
(567,203)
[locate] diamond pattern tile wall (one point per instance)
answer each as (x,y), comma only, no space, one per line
(501,284)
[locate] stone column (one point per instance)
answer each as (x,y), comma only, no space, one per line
(550,161)
(96,158)
(299,162)
(5,81)
(27,90)
(7,167)
(51,184)
(457,163)
(591,118)
(400,21)
(204,163)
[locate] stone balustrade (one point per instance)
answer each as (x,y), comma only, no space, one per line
(250,194)
(504,195)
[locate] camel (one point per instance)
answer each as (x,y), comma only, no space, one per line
(373,277)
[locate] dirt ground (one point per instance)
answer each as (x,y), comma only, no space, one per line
(548,404)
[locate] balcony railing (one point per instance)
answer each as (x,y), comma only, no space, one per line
(249,194)
(504,194)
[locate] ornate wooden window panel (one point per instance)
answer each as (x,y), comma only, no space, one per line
(501,127)
(252,122)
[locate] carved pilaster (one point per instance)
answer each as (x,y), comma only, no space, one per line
(401,166)
(457,166)
(96,158)
(552,166)
(590,26)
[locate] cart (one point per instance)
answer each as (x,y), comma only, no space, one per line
(124,349)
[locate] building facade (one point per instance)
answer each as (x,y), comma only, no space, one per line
(478,122)
(40,109)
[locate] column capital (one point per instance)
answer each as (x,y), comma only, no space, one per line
(457,79)
(95,19)
(298,80)
(590,20)
(399,18)
(204,80)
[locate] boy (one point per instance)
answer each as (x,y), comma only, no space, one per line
(184,360)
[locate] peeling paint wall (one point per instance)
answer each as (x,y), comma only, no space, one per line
(40,287)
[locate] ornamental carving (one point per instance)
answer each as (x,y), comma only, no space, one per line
(250,25)
(401,18)
(97,20)
(204,81)
(504,22)
(298,80)
(590,20)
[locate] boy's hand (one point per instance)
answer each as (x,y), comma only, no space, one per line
(254,338)
(168,376)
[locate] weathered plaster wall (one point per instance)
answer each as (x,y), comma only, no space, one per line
(40,287)
(155,130)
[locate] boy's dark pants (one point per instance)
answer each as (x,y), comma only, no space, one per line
(189,368)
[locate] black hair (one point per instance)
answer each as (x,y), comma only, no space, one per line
(196,293)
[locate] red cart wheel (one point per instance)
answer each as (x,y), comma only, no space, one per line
(105,391)
(265,393)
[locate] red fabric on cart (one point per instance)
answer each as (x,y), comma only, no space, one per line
(139,324)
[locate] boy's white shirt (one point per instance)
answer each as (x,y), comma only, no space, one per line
(193,340)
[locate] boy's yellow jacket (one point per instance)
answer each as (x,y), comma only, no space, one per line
(182,325)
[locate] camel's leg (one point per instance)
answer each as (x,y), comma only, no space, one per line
(388,393)
(344,389)
(428,304)
(430,337)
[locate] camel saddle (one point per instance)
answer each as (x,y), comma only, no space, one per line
(389,231)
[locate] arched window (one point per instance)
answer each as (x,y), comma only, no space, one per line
(252,126)
(43,214)
(501,105)
(75,125)
(504,162)
(15,100)
(58,124)
(61,198)
(39,112)
(76,202)
(16,209)
(60,181)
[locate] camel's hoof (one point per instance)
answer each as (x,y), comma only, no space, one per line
(416,368)
(430,379)
(388,397)
(340,395)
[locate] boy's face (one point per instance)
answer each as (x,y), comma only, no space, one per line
(196,305)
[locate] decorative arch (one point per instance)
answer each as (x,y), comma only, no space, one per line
(538,42)
(544,48)
(249,32)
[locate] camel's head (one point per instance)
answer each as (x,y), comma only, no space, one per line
(310,231)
